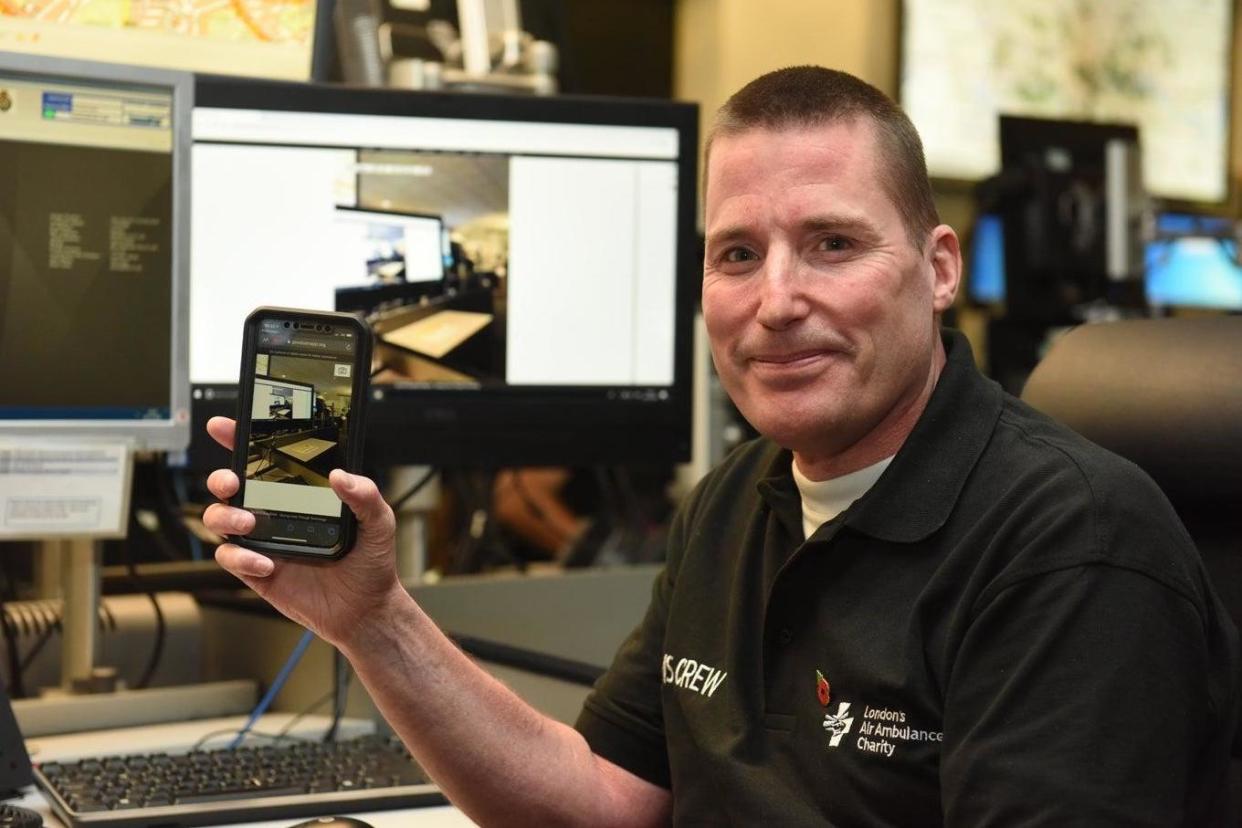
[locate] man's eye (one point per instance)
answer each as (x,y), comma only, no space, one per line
(835,243)
(739,254)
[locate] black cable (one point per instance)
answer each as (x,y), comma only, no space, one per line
(167,484)
(16,684)
(162,543)
(608,494)
(38,646)
(161,627)
(630,501)
(340,693)
(418,486)
(477,535)
(17,688)
(157,650)
(330,734)
(318,703)
(530,661)
(460,559)
(233,731)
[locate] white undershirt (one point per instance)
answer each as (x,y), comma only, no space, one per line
(822,500)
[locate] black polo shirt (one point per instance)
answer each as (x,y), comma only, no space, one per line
(1011,627)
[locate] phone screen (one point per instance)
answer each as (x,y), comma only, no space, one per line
(300,406)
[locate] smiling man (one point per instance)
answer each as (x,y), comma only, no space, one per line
(914,601)
(820,302)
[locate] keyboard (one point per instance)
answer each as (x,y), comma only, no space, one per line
(288,779)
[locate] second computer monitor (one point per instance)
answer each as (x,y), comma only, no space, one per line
(527,265)
(94,183)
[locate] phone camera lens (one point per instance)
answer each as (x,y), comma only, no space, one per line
(286,324)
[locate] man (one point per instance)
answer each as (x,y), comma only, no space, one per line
(914,602)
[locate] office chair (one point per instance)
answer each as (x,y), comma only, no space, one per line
(1167,395)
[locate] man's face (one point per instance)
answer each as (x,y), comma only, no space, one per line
(819,308)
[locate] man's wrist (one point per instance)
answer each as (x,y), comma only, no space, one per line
(376,626)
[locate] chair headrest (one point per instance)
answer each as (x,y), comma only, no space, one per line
(1163,393)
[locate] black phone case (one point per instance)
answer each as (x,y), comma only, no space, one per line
(357,423)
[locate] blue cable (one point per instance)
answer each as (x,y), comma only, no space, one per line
(281,678)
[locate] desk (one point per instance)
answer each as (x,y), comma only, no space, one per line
(439,333)
(306,450)
(182,735)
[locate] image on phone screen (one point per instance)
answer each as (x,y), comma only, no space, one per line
(300,405)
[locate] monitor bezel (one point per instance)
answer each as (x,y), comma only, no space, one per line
(165,434)
(533,425)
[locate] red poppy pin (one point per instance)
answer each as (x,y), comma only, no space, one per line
(822,689)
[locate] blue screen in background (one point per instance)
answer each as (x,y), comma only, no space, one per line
(985,283)
(1196,270)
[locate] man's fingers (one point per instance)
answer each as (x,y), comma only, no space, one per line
(244,563)
(361,495)
(228,520)
(222,430)
(223,483)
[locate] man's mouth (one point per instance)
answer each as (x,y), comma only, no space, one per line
(792,358)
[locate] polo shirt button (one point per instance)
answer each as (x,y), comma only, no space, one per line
(785,635)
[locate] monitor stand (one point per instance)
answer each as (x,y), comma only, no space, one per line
(80,562)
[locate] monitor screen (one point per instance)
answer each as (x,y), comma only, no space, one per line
(1165,66)
(281,400)
(1193,262)
(263,38)
(985,278)
(93,171)
(527,265)
(395,247)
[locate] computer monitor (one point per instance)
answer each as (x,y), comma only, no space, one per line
(1070,198)
(396,246)
(281,401)
(94,179)
(560,332)
(1193,263)
(288,39)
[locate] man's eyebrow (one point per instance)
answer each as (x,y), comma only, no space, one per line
(840,223)
(731,233)
(847,223)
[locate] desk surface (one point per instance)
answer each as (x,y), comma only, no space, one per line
(182,735)
(439,333)
(308,449)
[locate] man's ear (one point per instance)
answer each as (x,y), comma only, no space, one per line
(945,253)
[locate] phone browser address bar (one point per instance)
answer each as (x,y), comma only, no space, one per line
(326,344)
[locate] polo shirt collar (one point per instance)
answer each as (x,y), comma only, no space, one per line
(914,496)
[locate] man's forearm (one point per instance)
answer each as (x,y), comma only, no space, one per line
(498,759)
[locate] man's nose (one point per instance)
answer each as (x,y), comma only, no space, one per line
(782,301)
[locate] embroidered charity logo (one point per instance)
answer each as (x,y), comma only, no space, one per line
(837,725)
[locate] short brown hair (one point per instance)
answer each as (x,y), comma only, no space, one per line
(812,96)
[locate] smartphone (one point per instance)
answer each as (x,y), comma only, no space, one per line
(301,403)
